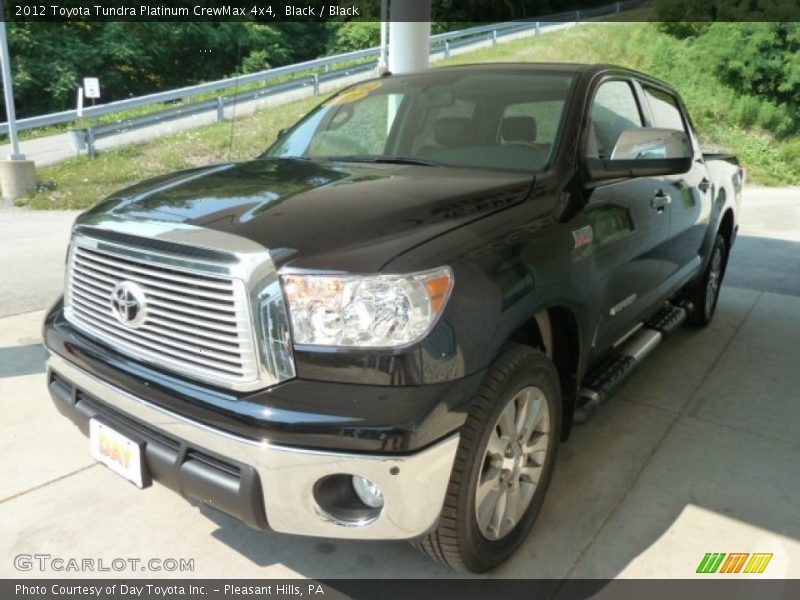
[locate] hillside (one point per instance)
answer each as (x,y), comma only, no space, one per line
(725,118)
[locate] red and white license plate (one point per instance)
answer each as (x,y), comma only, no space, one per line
(118,452)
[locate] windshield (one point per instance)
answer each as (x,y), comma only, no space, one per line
(496,120)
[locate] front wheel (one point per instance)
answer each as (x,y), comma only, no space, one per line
(705,293)
(503,464)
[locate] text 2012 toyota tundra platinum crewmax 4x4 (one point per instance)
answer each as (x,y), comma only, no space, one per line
(383,327)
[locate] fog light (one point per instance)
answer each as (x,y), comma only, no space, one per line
(369,493)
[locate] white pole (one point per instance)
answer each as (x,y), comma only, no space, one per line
(382,62)
(79,109)
(409,36)
(8,92)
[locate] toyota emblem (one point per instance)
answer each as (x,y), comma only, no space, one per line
(128,304)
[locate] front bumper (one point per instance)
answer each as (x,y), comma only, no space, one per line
(265,485)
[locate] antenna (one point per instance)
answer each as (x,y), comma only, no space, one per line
(235,90)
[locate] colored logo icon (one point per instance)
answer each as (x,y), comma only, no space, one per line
(734,562)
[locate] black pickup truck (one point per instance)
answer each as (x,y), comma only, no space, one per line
(384,326)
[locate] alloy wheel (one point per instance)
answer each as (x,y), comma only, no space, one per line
(513,463)
(714,278)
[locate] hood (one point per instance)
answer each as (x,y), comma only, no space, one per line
(320,214)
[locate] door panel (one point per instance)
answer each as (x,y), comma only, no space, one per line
(691,192)
(689,218)
(630,237)
(629,220)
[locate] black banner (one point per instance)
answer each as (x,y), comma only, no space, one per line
(404,589)
(466,11)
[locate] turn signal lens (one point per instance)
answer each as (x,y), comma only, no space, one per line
(439,290)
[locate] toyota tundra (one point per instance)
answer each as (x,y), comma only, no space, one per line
(384,325)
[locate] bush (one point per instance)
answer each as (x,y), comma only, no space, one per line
(758,61)
(355,36)
(255,61)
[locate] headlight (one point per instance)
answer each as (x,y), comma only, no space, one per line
(375,310)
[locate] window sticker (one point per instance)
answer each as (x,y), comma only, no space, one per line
(356,93)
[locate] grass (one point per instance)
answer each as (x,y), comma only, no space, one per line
(80,183)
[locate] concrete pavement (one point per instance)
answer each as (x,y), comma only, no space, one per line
(697,453)
(33,248)
(768,248)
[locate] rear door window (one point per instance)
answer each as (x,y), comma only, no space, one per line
(614,109)
(664,108)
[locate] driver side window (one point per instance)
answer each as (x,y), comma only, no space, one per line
(614,110)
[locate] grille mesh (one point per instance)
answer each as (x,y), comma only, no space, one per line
(195,322)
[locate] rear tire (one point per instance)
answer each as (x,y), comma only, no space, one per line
(508,444)
(705,293)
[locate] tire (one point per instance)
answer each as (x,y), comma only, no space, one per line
(705,293)
(519,377)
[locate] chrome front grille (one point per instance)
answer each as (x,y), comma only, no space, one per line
(191,317)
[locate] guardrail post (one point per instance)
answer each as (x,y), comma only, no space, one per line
(327,67)
(618,7)
(316,84)
(536,28)
(220,110)
(90,149)
(577,16)
(494,37)
(447,49)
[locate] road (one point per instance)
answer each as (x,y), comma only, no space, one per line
(697,453)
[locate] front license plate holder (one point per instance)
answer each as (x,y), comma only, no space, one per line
(119,452)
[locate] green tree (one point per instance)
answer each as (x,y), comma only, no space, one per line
(761,61)
(355,35)
(49,60)
(46,58)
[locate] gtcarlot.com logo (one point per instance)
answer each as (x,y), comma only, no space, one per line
(734,562)
(58,564)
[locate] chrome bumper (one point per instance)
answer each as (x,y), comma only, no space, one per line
(413,486)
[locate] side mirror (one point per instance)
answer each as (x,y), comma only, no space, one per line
(644,152)
(282,132)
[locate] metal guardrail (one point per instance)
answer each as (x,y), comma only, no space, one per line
(311,73)
(84,138)
(185,92)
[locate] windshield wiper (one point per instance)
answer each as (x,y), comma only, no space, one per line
(396,160)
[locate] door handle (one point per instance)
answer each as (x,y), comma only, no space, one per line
(660,201)
(704,185)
